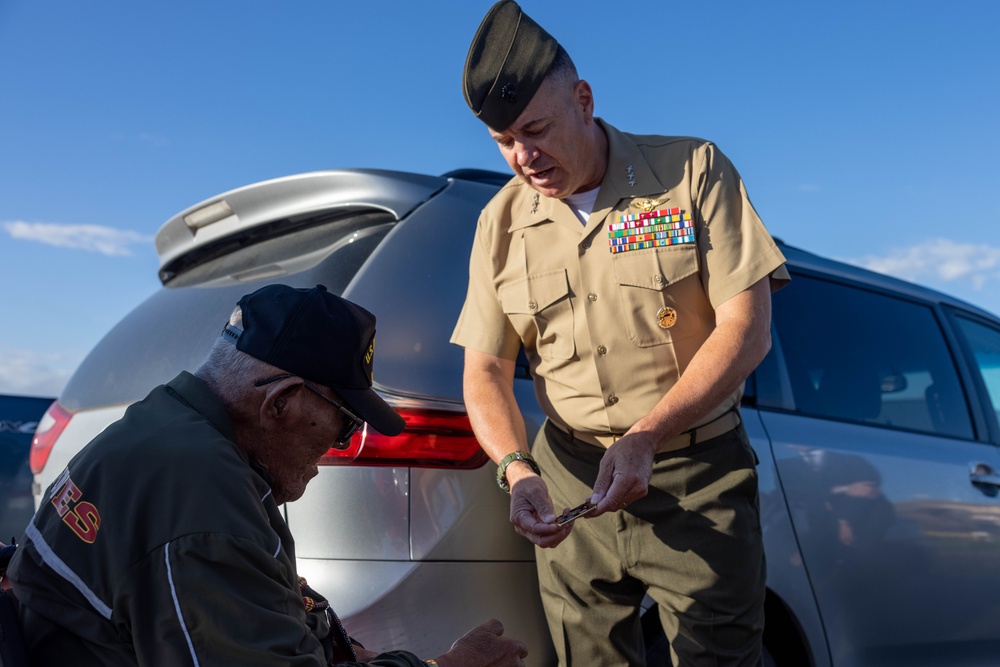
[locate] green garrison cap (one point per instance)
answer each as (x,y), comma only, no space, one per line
(507,62)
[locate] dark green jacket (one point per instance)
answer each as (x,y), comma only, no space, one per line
(160,544)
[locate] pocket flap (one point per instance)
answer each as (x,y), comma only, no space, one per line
(658,268)
(535,293)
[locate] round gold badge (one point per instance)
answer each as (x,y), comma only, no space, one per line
(666,317)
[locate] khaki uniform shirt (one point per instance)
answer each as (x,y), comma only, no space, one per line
(611,313)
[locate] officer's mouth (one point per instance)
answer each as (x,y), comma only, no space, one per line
(541,177)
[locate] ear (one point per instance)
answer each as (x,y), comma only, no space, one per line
(584,97)
(279,405)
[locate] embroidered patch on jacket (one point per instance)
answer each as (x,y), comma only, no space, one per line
(653,229)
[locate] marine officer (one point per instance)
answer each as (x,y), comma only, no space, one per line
(637,276)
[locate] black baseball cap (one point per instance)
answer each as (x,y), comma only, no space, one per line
(318,336)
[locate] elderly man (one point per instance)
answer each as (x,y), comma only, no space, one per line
(163,543)
(637,277)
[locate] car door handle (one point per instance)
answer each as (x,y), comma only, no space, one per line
(985,480)
(983,475)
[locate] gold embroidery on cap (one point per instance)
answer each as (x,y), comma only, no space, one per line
(666,317)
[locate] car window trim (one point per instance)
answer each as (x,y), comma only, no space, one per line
(982,407)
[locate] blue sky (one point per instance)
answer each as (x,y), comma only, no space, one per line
(866,131)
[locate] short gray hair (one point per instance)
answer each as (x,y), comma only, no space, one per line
(231,373)
(562,70)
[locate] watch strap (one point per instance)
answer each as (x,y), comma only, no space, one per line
(507,460)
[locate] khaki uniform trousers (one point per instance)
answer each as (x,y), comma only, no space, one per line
(693,543)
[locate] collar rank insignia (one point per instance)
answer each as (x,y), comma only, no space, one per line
(534,204)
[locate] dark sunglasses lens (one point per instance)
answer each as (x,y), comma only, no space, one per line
(349,429)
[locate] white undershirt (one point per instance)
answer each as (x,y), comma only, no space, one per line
(582,203)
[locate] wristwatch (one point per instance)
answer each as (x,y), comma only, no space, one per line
(506,461)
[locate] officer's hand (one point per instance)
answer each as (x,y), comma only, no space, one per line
(624,473)
(485,646)
(532,515)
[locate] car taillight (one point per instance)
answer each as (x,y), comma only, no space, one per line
(431,439)
(50,427)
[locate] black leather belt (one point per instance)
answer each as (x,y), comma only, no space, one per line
(722,424)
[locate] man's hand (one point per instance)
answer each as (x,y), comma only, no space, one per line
(532,514)
(364,655)
(624,473)
(485,646)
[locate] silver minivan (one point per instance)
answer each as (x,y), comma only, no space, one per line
(875,419)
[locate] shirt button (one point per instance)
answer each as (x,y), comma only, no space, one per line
(612,399)
(532,305)
(658,280)
(585,245)
(592,296)
(601,349)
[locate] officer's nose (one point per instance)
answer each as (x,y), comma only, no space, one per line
(526,154)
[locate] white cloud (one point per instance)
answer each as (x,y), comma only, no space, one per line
(92,238)
(939,261)
(32,373)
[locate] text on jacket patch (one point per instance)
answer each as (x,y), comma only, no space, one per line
(81,517)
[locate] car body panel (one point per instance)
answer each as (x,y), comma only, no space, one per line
(415,284)
(447,510)
(82,428)
(412,557)
(353,512)
(439,533)
(929,535)
(786,574)
(417,606)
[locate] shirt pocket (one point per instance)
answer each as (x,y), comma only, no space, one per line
(541,311)
(655,287)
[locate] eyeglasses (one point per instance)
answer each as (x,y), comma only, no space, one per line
(351,425)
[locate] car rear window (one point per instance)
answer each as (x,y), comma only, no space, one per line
(174,328)
(846,353)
